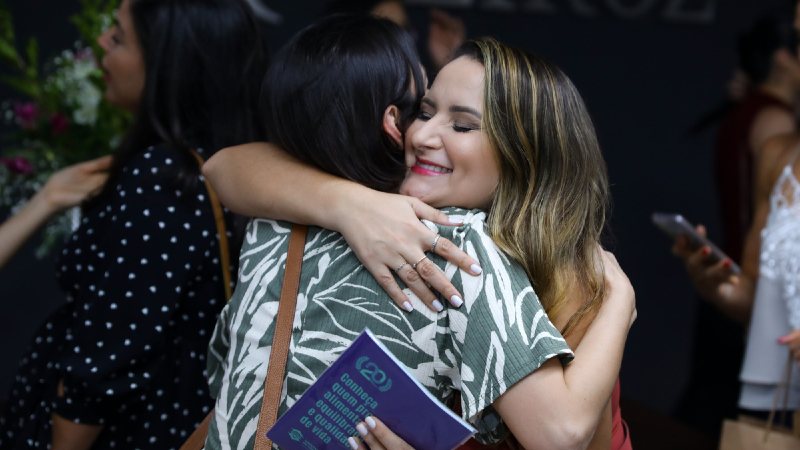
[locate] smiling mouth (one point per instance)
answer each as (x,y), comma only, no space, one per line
(426,168)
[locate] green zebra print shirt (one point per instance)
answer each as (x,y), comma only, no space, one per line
(500,334)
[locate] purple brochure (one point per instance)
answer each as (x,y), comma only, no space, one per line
(368,380)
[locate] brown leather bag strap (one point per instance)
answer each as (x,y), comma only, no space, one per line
(783,387)
(225,258)
(273,386)
(197,440)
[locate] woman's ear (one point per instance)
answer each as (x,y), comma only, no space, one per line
(391,124)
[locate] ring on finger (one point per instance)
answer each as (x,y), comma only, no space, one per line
(414,266)
(435,240)
(405,263)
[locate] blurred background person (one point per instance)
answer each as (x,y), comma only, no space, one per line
(446,32)
(767,292)
(767,56)
(122,362)
(69,187)
(771,72)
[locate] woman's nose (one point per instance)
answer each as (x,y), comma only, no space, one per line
(426,136)
(104,40)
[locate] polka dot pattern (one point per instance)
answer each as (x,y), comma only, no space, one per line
(142,280)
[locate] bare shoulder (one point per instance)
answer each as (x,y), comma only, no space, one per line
(774,155)
(775,113)
(770,122)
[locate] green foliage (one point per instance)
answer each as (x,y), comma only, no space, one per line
(94,18)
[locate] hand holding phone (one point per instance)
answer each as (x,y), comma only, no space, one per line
(675,226)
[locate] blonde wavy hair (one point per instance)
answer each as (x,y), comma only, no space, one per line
(550,204)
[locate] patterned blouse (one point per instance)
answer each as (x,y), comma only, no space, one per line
(500,334)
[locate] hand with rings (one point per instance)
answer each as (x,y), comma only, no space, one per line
(385,232)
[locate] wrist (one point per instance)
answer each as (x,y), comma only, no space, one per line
(40,206)
(618,308)
(343,196)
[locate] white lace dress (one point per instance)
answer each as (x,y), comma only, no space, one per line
(776,310)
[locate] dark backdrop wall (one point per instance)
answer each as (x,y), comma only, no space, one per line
(647,70)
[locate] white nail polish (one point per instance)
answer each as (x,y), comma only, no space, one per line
(353,443)
(362,430)
(437,305)
(455,220)
(407,306)
(371,423)
(476,269)
(456,301)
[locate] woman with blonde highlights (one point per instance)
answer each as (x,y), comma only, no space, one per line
(505,136)
(549,205)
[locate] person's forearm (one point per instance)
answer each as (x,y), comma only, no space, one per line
(604,431)
(260,180)
(591,377)
(21,226)
(577,395)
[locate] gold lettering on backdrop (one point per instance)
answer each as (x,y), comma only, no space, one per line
(675,11)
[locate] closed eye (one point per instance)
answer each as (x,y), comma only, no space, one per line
(464,129)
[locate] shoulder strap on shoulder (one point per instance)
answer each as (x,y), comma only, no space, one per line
(225,258)
(273,385)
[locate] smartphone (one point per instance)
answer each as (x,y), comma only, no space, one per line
(675,226)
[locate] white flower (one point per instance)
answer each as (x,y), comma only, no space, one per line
(88,99)
(81,68)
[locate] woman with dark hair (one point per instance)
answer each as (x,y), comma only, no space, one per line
(767,56)
(477,144)
(121,364)
(324,72)
(765,295)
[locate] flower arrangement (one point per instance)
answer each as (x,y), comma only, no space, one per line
(62,118)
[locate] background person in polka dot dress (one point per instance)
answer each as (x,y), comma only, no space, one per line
(122,363)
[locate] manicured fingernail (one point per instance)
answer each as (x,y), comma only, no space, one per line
(456,301)
(371,423)
(437,305)
(476,269)
(407,306)
(727,263)
(455,220)
(353,443)
(362,430)
(783,339)
(706,251)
